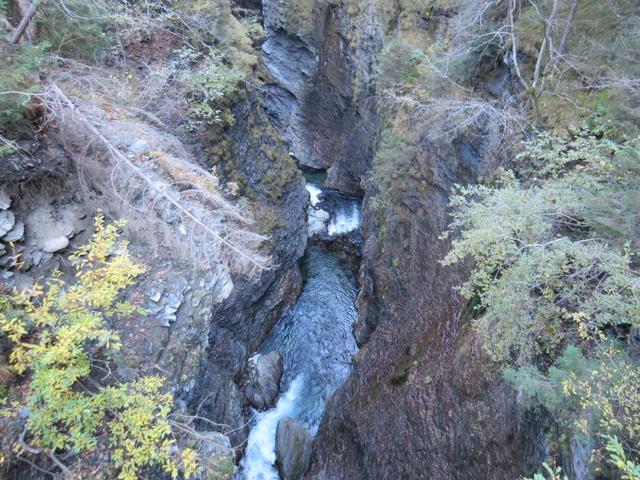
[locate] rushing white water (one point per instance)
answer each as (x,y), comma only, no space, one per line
(315,336)
(315,193)
(260,457)
(343,216)
(345,220)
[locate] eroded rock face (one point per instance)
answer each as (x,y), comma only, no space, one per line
(262,380)
(49,228)
(421,391)
(203,325)
(318,107)
(16,233)
(32,162)
(242,321)
(293,448)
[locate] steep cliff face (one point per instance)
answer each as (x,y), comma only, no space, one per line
(322,96)
(423,401)
(202,324)
(242,321)
(239,324)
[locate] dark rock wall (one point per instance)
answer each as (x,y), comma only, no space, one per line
(339,106)
(242,321)
(422,401)
(321,96)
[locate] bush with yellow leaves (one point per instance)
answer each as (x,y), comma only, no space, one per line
(59,333)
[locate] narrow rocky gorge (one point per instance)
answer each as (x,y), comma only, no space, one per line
(314,342)
(422,401)
(325,337)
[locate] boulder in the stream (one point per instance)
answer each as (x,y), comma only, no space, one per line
(293,448)
(262,383)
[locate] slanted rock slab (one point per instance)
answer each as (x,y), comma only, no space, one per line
(7,222)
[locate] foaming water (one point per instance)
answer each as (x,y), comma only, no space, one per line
(316,339)
(331,212)
(314,192)
(260,456)
(346,219)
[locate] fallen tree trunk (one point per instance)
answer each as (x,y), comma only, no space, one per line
(24,23)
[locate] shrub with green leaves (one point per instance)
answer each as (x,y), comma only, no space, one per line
(598,392)
(618,459)
(545,262)
(555,281)
(61,338)
(629,469)
(76,28)
(213,86)
(18,83)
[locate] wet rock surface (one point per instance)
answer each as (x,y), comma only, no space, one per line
(262,380)
(242,320)
(328,118)
(293,448)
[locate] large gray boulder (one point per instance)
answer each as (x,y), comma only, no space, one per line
(262,382)
(293,448)
(16,234)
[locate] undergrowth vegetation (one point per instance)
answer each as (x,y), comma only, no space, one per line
(214,56)
(63,340)
(556,282)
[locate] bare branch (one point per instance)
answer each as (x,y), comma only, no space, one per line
(24,23)
(186,201)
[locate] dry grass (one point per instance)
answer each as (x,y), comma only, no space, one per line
(166,197)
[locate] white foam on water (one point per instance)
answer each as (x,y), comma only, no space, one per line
(260,457)
(345,221)
(315,193)
(318,220)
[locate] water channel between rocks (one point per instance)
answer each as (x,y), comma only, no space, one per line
(315,336)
